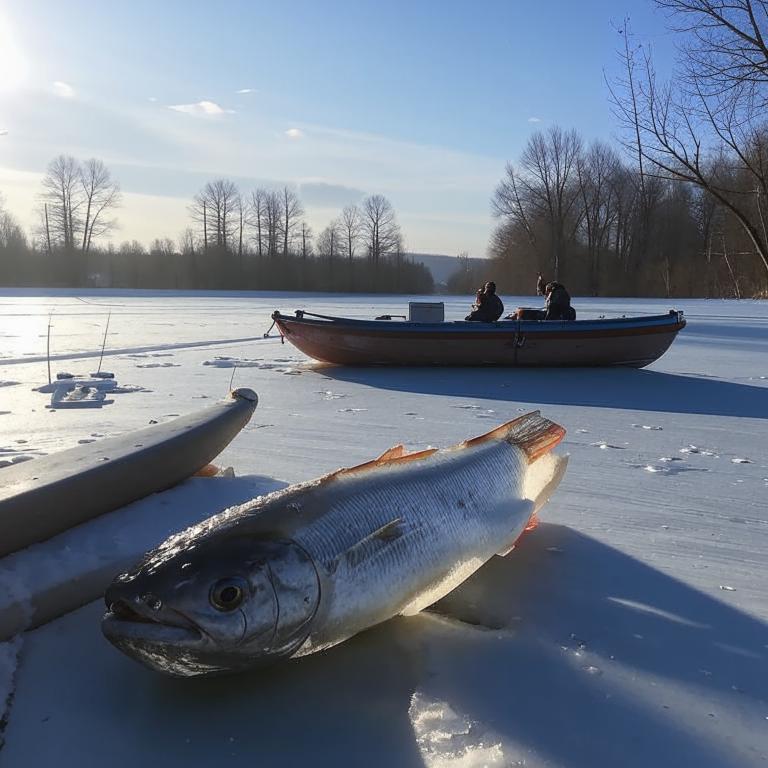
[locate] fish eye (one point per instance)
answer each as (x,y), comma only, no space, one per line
(227,594)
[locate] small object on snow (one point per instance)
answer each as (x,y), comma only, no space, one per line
(741,461)
(726,588)
(79,396)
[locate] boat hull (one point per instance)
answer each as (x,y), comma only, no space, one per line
(634,342)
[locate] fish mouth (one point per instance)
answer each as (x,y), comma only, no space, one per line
(122,623)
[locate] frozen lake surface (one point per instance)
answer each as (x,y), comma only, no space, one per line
(629,629)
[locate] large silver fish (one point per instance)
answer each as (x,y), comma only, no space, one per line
(307,567)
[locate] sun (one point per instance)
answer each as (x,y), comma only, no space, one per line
(13,64)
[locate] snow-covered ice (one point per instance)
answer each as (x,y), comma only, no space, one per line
(629,629)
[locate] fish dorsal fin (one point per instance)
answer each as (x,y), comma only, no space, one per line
(395,455)
(395,452)
(534,434)
(369,545)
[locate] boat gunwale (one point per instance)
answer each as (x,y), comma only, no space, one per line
(671,322)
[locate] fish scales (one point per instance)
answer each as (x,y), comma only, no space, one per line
(308,567)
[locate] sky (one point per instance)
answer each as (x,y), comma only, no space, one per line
(424,102)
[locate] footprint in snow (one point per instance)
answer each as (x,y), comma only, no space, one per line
(670,458)
(158,365)
(86,440)
(8,383)
(741,461)
(648,426)
(352,410)
(604,446)
(468,407)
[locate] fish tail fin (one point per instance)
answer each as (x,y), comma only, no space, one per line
(534,434)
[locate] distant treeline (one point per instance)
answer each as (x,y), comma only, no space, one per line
(258,241)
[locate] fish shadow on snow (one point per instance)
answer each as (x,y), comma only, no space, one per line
(629,388)
(588,630)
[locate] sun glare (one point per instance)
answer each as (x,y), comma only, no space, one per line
(13,66)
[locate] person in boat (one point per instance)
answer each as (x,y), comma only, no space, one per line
(558,306)
(558,302)
(488,307)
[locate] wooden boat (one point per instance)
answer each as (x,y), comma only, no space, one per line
(629,341)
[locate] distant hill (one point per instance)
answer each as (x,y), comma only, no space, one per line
(441,266)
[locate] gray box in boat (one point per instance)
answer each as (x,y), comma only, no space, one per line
(426,311)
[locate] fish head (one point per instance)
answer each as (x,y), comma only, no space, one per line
(214,606)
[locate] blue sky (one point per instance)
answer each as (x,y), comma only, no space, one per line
(421,101)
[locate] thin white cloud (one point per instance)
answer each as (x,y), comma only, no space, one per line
(153,99)
(63,90)
(246,90)
(204,108)
(534,119)
(294,133)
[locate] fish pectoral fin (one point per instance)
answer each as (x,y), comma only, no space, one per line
(374,542)
(533,433)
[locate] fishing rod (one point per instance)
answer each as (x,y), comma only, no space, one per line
(103,344)
(48,347)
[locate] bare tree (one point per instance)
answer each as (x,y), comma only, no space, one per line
(717,103)
(290,216)
(215,209)
(255,219)
(544,190)
(11,234)
(271,216)
(100,194)
(596,170)
(329,242)
(351,227)
(62,202)
(379,227)
(187,242)
(306,240)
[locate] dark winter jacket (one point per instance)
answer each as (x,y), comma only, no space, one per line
(489,308)
(559,304)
